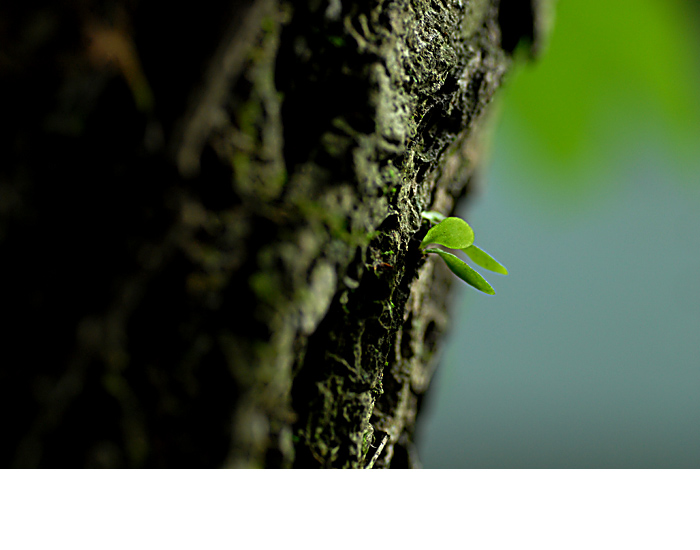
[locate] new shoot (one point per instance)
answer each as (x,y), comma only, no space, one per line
(455,233)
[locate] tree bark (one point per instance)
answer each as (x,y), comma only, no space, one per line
(210,223)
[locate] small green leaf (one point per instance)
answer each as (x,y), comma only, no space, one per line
(479,257)
(433,217)
(451,232)
(464,272)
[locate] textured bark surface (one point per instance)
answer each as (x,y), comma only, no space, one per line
(210,223)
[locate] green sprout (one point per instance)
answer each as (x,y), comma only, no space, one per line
(456,234)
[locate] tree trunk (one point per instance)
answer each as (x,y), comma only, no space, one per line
(210,223)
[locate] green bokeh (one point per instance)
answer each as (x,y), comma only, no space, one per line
(607,63)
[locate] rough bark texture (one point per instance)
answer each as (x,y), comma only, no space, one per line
(210,223)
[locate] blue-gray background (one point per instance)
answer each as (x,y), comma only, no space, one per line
(589,354)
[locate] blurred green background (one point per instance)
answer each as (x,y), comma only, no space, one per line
(589,354)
